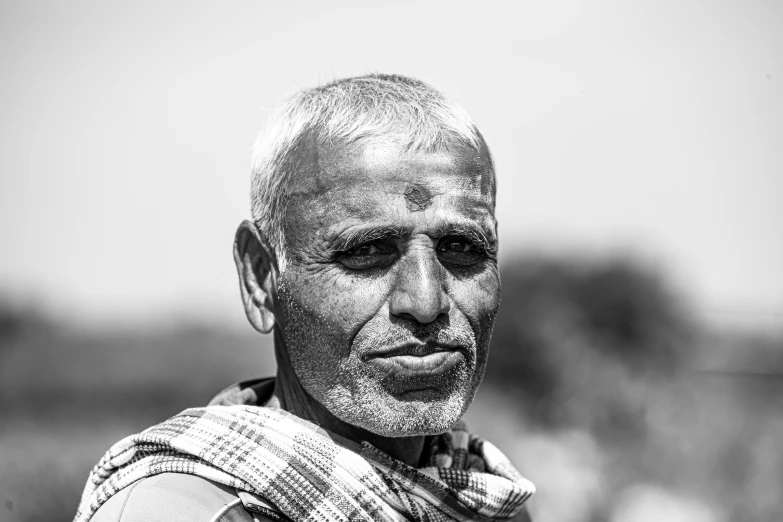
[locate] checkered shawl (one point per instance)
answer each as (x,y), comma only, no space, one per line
(312,474)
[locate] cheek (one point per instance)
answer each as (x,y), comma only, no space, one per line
(340,303)
(478,298)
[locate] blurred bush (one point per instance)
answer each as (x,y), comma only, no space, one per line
(67,393)
(603,368)
(595,388)
(567,331)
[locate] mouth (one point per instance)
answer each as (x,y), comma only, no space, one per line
(417,360)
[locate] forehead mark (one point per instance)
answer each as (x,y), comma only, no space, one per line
(417,197)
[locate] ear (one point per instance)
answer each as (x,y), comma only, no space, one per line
(257,270)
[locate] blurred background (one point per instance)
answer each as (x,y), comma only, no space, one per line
(637,364)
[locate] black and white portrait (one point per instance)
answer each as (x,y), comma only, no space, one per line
(391,262)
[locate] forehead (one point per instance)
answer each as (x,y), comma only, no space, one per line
(357,174)
(342,190)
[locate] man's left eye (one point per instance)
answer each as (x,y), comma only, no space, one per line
(459,251)
(456,245)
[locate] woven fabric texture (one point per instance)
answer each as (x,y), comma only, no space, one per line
(311,474)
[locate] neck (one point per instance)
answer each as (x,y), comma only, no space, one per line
(291,396)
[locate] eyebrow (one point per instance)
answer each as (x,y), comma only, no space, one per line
(481,236)
(360,236)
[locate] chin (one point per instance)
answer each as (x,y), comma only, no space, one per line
(420,412)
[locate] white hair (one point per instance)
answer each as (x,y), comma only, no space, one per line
(346,111)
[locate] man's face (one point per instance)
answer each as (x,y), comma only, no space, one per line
(391,286)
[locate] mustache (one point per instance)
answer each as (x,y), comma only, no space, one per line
(433,333)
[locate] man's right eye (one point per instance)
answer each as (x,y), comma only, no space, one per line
(370,255)
(364,250)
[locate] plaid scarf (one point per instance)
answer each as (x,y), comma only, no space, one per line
(312,474)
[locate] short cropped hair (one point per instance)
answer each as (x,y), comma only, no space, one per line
(347,111)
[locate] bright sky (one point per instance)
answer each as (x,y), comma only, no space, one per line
(647,127)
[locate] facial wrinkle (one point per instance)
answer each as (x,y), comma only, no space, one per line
(417,197)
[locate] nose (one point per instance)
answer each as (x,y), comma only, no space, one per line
(419,291)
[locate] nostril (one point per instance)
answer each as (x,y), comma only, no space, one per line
(420,308)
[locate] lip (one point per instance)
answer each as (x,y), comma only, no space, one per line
(417,360)
(416,349)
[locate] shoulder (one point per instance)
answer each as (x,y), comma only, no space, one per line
(175,497)
(522,516)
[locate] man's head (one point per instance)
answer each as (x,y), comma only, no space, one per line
(373,251)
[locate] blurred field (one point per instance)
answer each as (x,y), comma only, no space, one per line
(601,388)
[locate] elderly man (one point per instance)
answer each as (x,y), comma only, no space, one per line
(372,255)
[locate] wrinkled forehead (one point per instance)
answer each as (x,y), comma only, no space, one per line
(384,165)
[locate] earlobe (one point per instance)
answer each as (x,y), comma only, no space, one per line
(257,271)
